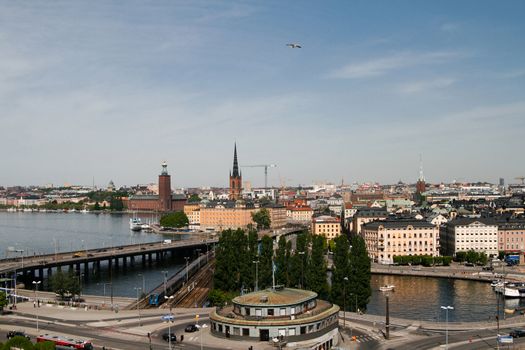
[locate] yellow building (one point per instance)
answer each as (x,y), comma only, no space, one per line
(277,216)
(388,238)
(326,226)
(301,214)
(192,211)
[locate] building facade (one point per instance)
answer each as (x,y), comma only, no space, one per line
(511,236)
(365,215)
(388,238)
(327,226)
(299,214)
(285,315)
(464,234)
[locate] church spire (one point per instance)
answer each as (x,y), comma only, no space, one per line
(235,164)
(421,176)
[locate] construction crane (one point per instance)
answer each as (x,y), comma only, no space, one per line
(521,178)
(265,166)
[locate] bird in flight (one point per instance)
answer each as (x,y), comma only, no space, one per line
(294,46)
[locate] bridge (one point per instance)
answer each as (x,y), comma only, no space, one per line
(91,259)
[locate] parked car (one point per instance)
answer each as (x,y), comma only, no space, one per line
(487,268)
(191,328)
(166,336)
(12,334)
(517,333)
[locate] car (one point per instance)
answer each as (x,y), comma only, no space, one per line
(166,336)
(469,264)
(191,328)
(517,333)
(12,334)
(487,268)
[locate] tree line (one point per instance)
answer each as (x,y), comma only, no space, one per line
(240,258)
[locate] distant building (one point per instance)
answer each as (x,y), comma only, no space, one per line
(165,201)
(511,236)
(327,226)
(464,234)
(388,238)
(235,178)
(299,214)
(364,215)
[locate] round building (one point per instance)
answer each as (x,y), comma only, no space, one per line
(286,315)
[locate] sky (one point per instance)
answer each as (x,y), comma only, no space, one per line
(108,90)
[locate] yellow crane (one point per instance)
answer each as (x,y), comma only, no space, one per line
(265,166)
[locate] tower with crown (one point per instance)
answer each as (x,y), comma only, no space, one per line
(235,177)
(164,189)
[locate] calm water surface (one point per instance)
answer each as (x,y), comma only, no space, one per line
(414,297)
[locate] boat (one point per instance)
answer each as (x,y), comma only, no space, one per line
(135,224)
(386,288)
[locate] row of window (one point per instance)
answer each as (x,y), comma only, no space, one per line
(398,235)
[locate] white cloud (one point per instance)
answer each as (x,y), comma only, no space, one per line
(424,85)
(449,27)
(383,65)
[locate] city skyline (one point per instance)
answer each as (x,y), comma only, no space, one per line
(106,91)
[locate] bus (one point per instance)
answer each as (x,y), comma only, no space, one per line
(67,342)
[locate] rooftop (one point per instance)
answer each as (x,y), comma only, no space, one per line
(269,297)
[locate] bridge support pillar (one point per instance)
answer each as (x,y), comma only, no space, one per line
(150,258)
(143,259)
(132,260)
(86,269)
(41,273)
(78,267)
(116,263)
(125,262)
(110,263)
(49,272)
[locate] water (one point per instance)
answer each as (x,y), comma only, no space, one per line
(37,233)
(414,297)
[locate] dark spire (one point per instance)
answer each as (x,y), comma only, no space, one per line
(235,164)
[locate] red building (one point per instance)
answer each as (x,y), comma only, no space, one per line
(235,178)
(163,202)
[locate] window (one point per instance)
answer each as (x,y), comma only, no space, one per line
(270,312)
(282,311)
(246,332)
(291,332)
(258,312)
(292,310)
(282,331)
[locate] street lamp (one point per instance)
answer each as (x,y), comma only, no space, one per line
(165,281)
(344,301)
(201,330)
(187,259)
(302,268)
(169,319)
(138,289)
(35,283)
(256,262)
(446,308)
(104,286)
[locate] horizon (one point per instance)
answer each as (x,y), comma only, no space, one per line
(91,89)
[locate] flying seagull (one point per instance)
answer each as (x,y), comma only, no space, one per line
(294,46)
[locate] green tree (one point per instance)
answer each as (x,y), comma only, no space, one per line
(472,256)
(194,198)
(18,342)
(96,207)
(219,298)
(47,345)
(340,272)
(116,204)
(460,256)
(262,219)
(359,280)
(316,278)
(282,257)
(3,301)
(177,219)
(266,262)
(59,284)
(229,260)
(298,261)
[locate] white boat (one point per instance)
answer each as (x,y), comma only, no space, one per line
(135,224)
(386,288)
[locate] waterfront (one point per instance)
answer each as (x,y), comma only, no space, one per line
(414,297)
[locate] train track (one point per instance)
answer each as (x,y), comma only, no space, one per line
(195,292)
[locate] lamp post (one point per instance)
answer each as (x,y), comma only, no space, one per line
(446,308)
(344,301)
(138,289)
(187,259)
(170,319)
(302,269)
(36,283)
(165,281)
(256,262)
(104,287)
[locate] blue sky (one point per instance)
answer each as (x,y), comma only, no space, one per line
(110,89)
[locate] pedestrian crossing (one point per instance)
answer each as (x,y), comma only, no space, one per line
(368,337)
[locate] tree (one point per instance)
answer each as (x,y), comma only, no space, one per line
(262,219)
(282,257)
(116,204)
(3,301)
(47,345)
(177,219)
(316,279)
(266,262)
(194,198)
(96,207)
(59,284)
(340,271)
(359,280)
(18,342)
(230,260)
(298,261)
